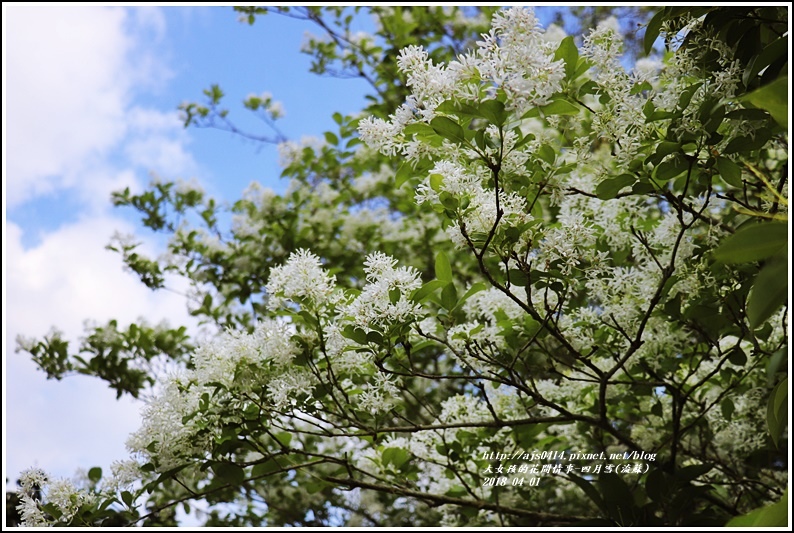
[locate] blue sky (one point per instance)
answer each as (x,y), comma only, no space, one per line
(90,97)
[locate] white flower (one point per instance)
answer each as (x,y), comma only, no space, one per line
(385,298)
(33,479)
(302,277)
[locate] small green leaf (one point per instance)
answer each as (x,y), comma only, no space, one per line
(331,138)
(768,55)
(753,243)
(355,334)
(229,472)
(443,268)
(493,111)
(731,172)
(568,52)
(448,128)
(689,473)
(546,153)
(774,98)
(436,182)
(775,515)
(727,408)
(403,174)
(95,474)
(127,498)
(656,485)
(449,296)
(663,149)
(774,365)
(428,288)
(396,456)
(776,410)
(657,409)
(477,287)
(769,292)
(652,31)
(671,168)
(560,107)
(517,277)
(263,469)
(457,491)
(394,295)
(589,490)
(609,188)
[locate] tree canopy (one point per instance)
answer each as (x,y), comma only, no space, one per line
(541,279)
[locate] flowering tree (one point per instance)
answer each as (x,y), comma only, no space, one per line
(528,286)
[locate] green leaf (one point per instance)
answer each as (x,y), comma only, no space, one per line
(449,296)
(355,334)
(394,295)
(772,97)
(546,153)
(284,438)
(443,268)
(568,52)
(769,292)
(656,485)
(731,172)
(436,182)
(664,149)
(589,490)
(774,365)
(127,498)
(428,288)
(396,456)
(775,515)
(560,107)
(776,410)
(746,143)
(517,277)
(609,188)
(316,486)
(493,111)
(657,409)
(403,174)
(652,31)
(737,357)
(671,168)
(229,472)
(477,287)
(727,407)
(772,52)
(457,491)
(449,129)
(753,243)
(331,138)
(689,473)
(95,474)
(263,469)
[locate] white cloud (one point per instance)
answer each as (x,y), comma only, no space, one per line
(73,124)
(72,75)
(66,279)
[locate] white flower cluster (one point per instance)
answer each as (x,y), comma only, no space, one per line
(478,210)
(61,493)
(385,298)
(513,57)
(301,279)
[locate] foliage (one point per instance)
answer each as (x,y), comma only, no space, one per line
(519,247)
